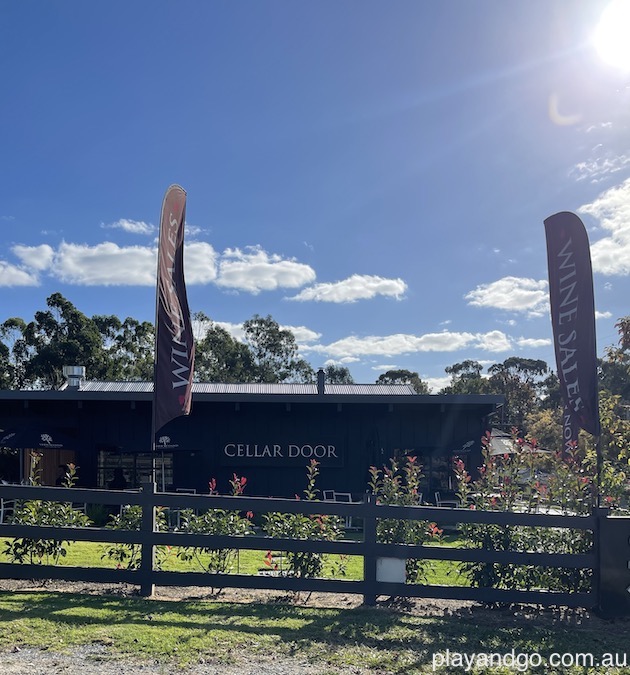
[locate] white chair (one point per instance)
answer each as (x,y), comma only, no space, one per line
(178,512)
(449,503)
(346,498)
(7,506)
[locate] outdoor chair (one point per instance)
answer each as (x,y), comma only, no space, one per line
(7,507)
(177,513)
(346,498)
(449,503)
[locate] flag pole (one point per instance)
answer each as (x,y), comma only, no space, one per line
(155,349)
(174,357)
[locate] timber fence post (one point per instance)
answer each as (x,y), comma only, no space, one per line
(147,529)
(369,554)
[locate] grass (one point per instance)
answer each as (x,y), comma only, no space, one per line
(89,554)
(385,639)
(380,639)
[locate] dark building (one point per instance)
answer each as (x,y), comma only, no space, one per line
(265,432)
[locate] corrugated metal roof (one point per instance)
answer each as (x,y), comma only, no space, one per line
(256,388)
(370,389)
(253,388)
(116,387)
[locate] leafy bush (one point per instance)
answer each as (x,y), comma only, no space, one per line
(44,513)
(300,526)
(217,522)
(400,486)
(529,481)
(128,556)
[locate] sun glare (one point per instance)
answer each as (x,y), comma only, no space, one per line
(612,35)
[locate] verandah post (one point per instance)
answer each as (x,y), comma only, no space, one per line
(147,529)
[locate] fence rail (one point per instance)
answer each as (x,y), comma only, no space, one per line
(368,511)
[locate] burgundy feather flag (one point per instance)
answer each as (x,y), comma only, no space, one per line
(174,344)
(573,322)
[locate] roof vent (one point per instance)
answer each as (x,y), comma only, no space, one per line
(74,375)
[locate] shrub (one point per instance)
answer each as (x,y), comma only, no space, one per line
(44,513)
(128,556)
(528,480)
(217,522)
(400,486)
(300,526)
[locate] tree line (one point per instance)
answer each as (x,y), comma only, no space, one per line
(33,354)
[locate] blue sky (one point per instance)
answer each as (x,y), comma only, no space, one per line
(373,174)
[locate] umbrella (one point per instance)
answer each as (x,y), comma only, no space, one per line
(502,443)
(42,438)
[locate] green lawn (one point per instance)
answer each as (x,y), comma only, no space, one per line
(382,639)
(88,554)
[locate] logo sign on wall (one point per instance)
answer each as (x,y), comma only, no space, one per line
(235,453)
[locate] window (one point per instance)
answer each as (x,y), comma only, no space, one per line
(136,467)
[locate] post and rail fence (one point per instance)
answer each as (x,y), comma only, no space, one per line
(608,558)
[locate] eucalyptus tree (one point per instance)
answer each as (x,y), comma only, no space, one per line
(59,336)
(403,376)
(521,381)
(14,354)
(275,352)
(219,357)
(466,378)
(129,347)
(338,374)
(614,368)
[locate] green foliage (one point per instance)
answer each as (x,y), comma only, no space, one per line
(301,526)
(219,357)
(527,481)
(44,513)
(275,352)
(404,377)
(337,374)
(128,556)
(400,486)
(217,522)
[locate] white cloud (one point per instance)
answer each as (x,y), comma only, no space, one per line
(436,383)
(385,367)
(108,264)
(602,315)
(394,345)
(356,287)
(132,226)
(493,341)
(200,263)
(37,258)
(533,343)
(255,270)
(11,275)
(599,168)
(512,294)
(611,255)
(303,334)
(105,264)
